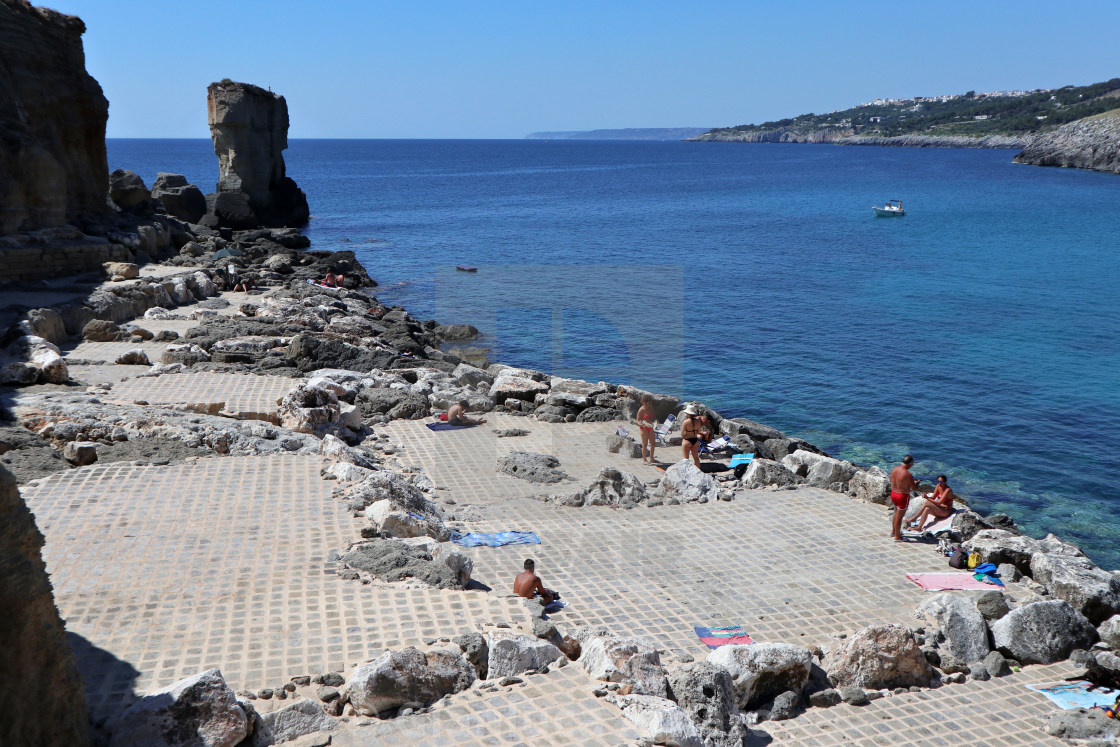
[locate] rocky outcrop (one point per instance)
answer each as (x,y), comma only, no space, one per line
(197,710)
(762,671)
(249,127)
(611,487)
(962,624)
(180,199)
(847,136)
(41,690)
(631,661)
(1042,632)
(513,654)
(1090,143)
(880,656)
(706,693)
(52,121)
(408,676)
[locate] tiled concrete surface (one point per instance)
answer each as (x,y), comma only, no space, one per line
(162,572)
(109,351)
(245,396)
(556,708)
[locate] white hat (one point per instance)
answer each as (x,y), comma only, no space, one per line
(691,410)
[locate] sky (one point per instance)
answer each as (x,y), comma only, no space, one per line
(435,69)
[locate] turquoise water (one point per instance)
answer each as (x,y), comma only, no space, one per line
(978,333)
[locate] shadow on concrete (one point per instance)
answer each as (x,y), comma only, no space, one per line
(109,684)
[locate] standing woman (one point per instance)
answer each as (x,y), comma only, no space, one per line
(645,425)
(690,435)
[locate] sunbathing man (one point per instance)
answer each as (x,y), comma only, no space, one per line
(457,415)
(939,504)
(902,482)
(528,585)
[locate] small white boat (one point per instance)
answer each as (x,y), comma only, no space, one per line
(891,209)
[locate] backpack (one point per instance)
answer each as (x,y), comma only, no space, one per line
(958,559)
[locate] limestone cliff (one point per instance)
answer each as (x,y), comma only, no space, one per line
(249,127)
(52,121)
(1090,143)
(847,136)
(41,692)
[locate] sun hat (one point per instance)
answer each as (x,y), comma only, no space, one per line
(691,410)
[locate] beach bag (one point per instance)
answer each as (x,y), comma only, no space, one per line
(974,559)
(958,559)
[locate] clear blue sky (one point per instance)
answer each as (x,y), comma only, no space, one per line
(503,69)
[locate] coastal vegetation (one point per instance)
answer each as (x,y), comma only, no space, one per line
(970,114)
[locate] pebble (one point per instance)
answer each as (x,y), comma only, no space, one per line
(301,680)
(507,681)
(326,693)
(265,694)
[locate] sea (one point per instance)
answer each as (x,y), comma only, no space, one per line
(979,333)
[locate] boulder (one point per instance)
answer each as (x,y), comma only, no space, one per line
(510,386)
(513,654)
(762,671)
(201,285)
(46,359)
(186,354)
(1093,592)
(1001,546)
(879,656)
(447,553)
(133,357)
(574,393)
(456,332)
(468,375)
(818,470)
(80,453)
(388,518)
(706,693)
(533,467)
(767,472)
(1042,632)
(45,323)
(409,676)
(121,270)
(1109,631)
(611,487)
(179,199)
(629,399)
(1083,726)
(685,483)
(992,605)
(872,485)
(306,408)
(396,560)
(476,649)
(197,710)
(101,330)
(996,665)
(336,450)
(966,633)
(757,431)
(632,661)
(662,720)
(127,191)
(291,721)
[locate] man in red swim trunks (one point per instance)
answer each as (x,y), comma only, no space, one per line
(902,482)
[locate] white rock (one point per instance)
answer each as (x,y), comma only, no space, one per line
(662,720)
(819,470)
(448,553)
(344,472)
(408,676)
(630,660)
(685,483)
(964,628)
(761,671)
(199,711)
(514,654)
(291,721)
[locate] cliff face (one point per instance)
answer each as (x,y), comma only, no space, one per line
(39,683)
(249,127)
(1090,143)
(824,135)
(52,121)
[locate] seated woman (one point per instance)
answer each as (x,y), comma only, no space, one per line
(334,281)
(939,504)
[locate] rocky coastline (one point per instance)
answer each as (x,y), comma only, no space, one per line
(847,136)
(1091,143)
(349,368)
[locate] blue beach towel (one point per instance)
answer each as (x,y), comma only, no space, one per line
(1076,694)
(446,426)
(495,539)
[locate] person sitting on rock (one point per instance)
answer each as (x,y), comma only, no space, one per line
(245,284)
(939,504)
(334,281)
(457,415)
(528,584)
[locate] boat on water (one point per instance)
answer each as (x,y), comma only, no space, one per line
(891,209)
(466,268)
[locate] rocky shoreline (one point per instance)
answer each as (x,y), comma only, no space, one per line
(1092,143)
(847,136)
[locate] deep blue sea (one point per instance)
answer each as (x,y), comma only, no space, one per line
(980,333)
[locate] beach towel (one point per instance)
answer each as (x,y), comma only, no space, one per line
(1076,694)
(555,605)
(446,426)
(495,539)
(947,581)
(727,636)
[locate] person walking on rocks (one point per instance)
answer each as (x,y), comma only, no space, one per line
(690,435)
(645,427)
(528,584)
(902,482)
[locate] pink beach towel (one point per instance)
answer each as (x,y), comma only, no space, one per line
(948,582)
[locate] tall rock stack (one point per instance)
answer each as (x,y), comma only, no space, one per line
(249,126)
(40,688)
(52,121)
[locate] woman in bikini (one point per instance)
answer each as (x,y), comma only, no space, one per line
(939,504)
(690,435)
(645,425)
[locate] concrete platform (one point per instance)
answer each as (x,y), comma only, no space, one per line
(241,396)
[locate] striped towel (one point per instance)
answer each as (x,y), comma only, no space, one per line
(728,636)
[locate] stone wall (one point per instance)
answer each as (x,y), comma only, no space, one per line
(40,689)
(52,121)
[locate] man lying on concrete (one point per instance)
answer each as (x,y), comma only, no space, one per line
(528,585)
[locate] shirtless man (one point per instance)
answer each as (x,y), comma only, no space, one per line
(457,415)
(528,585)
(939,504)
(902,482)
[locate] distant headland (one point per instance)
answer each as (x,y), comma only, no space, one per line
(629,133)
